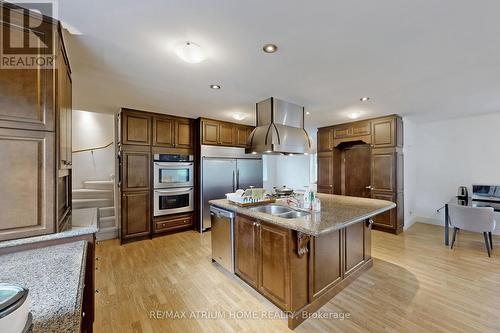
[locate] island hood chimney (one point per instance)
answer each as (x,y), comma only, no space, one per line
(280,129)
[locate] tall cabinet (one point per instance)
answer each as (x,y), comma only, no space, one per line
(35,134)
(142,134)
(365,158)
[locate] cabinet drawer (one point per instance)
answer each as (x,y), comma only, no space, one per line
(179,222)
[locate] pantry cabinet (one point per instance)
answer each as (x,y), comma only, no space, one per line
(378,162)
(35,129)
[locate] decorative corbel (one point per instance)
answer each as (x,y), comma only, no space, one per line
(302,241)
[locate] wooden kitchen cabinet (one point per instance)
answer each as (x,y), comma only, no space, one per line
(135,128)
(387,132)
(246,249)
(184,133)
(64,109)
(261,260)
(172,132)
(221,133)
(35,126)
(325,140)
(210,132)
(325,173)
(28,183)
(135,170)
(273,262)
(27,100)
(135,214)
(175,222)
(241,135)
(226,134)
(384,136)
(299,272)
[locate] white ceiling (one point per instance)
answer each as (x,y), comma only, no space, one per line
(425,59)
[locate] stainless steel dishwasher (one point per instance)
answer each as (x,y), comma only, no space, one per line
(222,237)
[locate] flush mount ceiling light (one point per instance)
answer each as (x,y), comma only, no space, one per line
(354,115)
(239,116)
(215,86)
(190,52)
(308,113)
(270,48)
(364,99)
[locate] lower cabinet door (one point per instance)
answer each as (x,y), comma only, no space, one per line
(136,215)
(273,263)
(246,250)
(27,184)
(388,218)
(354,246)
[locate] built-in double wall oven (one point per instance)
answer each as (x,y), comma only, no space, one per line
(173,184)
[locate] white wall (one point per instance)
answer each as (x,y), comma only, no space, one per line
(451,153)
(410,172)
(292,171)
(92,129)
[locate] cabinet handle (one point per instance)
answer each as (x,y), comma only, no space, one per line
(371,188)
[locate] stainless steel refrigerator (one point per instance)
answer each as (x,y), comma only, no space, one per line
(224,170)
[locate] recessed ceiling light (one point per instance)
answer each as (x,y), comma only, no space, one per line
(364,99)
(354,115)
(307,112)
(270,48)
(239,116)
(254,152)
(215,86)
(190,52)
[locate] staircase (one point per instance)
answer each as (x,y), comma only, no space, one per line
(98,194)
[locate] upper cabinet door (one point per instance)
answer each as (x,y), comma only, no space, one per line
(27,99)
(164,132)
(226,134)
(210,132)
(183,133)
(325,139)
(136,128)
(241,135)
(384,133)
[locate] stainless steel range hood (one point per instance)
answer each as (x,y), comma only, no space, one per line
(280,129)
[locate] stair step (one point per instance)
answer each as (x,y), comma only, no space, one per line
(107,233)
(90,203)
(106,222)
(98,184)
(84,193)
(106,211)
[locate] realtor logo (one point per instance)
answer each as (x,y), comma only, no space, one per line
(27,34)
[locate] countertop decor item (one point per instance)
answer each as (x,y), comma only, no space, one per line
(14,309)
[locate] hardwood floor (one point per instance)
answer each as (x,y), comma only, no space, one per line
(416,285)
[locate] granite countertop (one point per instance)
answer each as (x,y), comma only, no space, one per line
(83,222)
(54,276)
(337,212)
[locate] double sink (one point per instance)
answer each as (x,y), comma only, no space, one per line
(280,211)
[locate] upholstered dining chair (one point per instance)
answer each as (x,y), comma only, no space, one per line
(475,219)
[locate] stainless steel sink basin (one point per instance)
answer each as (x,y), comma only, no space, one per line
(294,214)
(272,209)
(281,211)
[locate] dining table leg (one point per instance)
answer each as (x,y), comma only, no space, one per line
(446,226)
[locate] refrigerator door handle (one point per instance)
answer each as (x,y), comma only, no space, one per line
(237,179)
(234,181)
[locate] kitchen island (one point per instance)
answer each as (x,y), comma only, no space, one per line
(300,263)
